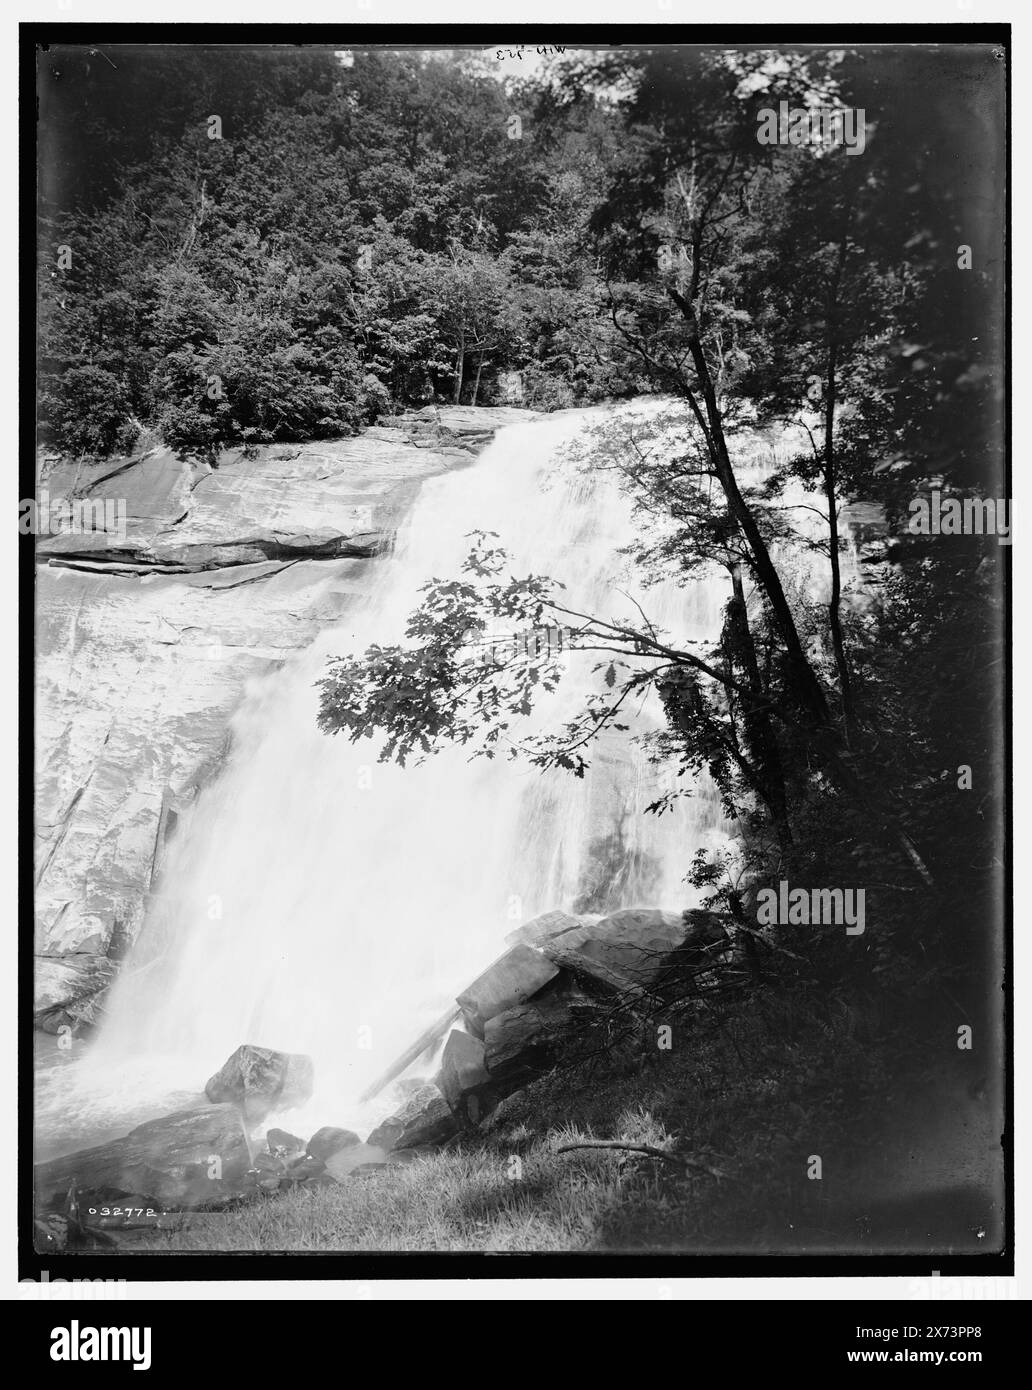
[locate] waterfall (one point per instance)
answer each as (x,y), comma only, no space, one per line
(316,900)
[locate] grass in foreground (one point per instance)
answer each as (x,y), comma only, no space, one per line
(755,1095)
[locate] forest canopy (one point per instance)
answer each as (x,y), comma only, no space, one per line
(266,245)
(238,247)
(855,294)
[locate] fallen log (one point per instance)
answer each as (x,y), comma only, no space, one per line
(425,1040)
(648,1149)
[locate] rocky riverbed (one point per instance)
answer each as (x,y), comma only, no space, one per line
(564,989)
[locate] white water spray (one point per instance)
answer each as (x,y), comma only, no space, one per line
(319,901)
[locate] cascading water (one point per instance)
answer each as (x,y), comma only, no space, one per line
(317,901)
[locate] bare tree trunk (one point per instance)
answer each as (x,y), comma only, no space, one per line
(807,686)
(757,723)
(476,384)
(835,601)
(460,362)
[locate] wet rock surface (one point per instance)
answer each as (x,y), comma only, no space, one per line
(541,1005)
(192,1159)
(146,641)
(425,1118)
(526,1041)
(284,1144)
(514,978)
(259,1079)
(464,1080)
(635,951)
(551,1000)
(328,1141)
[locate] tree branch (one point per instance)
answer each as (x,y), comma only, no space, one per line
(648,1149)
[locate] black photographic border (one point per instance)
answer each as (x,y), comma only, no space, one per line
(299,1265)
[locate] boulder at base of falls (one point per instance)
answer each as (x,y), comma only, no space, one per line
(544,928)
(327,1141)
(259,1080)
(49,1234)
(268,1164)
(304,1170)
(268,1171)
(561,1025)
(512,979)
(192,1159)
(464,1081)
(284,1144)
(425,1118)
(635,950)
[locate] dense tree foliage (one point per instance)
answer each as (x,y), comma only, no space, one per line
(251,246)
(856,297)
(239,247)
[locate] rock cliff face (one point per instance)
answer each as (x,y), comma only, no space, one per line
(145,642)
